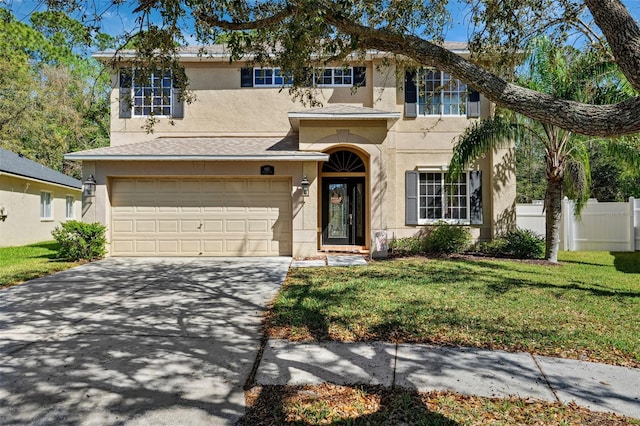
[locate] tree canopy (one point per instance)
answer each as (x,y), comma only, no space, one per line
(296,33)
(53,99)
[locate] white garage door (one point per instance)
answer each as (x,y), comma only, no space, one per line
(201,217)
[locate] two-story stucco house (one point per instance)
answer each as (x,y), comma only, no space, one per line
(227,174)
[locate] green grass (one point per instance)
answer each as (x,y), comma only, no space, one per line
(19,264)
(588,307)
(376,405)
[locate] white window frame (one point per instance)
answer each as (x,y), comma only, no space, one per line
(46,205)
(69,211)
(445,199)
(333,73)
(275,74)
(441,87)
(165,98)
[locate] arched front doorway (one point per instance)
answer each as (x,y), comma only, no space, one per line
(344,199)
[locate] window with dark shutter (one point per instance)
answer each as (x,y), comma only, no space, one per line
(246,77)
(360,76)
(410,94)
(411,197)
(475,197)
(473,107)
(125,82)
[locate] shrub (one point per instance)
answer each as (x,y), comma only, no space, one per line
(408,245)
(80,241)
(517,244)
(446,239)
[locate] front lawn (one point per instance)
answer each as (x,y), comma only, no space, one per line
(588,307)
(375,405)
(19,264)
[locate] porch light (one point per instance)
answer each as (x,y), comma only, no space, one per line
(89,187)
(304,184)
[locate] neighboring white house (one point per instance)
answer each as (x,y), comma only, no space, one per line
(33,200)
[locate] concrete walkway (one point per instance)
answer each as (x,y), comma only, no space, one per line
(598,387)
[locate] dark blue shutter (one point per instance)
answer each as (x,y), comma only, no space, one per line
(475,191)
(473,105)
(246,77)
(124,96)
(410,94)
(411,197)
(360,76)
(177,104)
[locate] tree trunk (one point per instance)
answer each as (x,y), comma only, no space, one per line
(553,209)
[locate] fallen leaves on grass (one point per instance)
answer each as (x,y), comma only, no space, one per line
(333,404)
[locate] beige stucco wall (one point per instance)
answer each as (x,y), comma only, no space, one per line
(21,199)
(223,108)
(304,221)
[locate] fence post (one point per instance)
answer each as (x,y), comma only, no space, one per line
(632,224)
(567,235)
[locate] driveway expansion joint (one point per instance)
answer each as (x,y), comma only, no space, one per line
(546,379)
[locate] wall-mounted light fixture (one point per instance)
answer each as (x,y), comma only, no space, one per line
(304,184)
(3,213)
(89,187)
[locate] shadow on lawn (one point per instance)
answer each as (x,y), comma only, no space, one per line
(627,262)
(325,404)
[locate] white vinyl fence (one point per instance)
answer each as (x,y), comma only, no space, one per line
(600,227)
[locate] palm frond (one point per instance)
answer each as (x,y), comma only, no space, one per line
(627,149)
(577,177)
(480,138)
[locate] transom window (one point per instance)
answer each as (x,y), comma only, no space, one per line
(440,94)
(45,205)
(440,201)
(266,77)
(333,76)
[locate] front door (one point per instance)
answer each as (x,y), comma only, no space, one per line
(343,218)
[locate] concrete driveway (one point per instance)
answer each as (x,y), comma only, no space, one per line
(134,341)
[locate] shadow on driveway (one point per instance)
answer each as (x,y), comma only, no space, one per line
(150,341)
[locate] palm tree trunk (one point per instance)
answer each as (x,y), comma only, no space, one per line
(553,208)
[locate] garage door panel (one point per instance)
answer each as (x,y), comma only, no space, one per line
(211,217)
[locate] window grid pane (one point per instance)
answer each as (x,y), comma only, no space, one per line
(334,76)
(438,201)
(441,94)
(154,97)
(69,210)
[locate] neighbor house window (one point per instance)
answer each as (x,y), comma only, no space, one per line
(270,77)
(333,76)
(440,94)
(69,207)
(45,205)
(438,200)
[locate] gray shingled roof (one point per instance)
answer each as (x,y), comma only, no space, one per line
(221,50)
(204,148)
(18,165)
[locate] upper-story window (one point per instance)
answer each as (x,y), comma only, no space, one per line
(333,76)
(321,77)
(270,77)
(148,94)
(442,94)
(431,92)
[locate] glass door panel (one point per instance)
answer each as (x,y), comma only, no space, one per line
(343,211)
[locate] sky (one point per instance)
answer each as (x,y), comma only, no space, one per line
(115,22)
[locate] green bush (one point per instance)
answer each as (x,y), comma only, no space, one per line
(80,241)
(408,245)
(516,244)
(447,239)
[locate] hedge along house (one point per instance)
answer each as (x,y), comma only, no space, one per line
(245,170)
